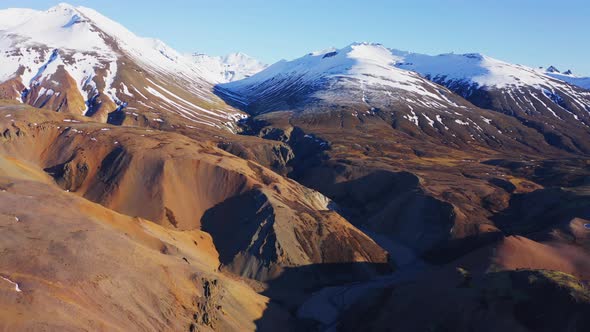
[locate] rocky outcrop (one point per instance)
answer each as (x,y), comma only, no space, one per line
(259,234)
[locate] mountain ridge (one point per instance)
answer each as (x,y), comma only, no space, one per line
(100,58)
(146,189)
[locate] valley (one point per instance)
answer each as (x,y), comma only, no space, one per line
(353,189)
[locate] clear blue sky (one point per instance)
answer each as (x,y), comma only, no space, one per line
(531,32)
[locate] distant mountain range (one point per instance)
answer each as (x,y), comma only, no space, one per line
(229,68)
(360,188)
(95,59)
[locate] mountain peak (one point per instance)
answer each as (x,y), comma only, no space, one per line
(355,71)
(62,6)
(473,68)
(475,56)
(238,55)
(552,69)
(62,26)
(365,44)
(367,48)
(228,68)
(74,58)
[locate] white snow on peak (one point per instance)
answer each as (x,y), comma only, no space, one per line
(153,53)
(242,65)
(75,28)
(90,46)
(367,63)
(476,68)
(84,30)
(323,52)
(582,82)
(485,71)
(38,41)
(62,26)
(14,16)
(229,68)
(94,50)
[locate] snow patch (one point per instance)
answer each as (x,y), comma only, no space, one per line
(16,286)
(412,118)
(430,121)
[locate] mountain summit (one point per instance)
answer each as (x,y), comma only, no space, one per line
(76,60)
(229,68)
(355,73)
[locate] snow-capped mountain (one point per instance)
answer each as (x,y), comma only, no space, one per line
(472,68)
(229,68)
(472,74)
(570,77)
(538,98)
(478,69)
(360,83)
(355,72)
(431,94)
(76,60)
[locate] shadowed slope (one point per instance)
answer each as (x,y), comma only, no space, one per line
(78,265)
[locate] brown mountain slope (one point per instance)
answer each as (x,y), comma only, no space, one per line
(70,265)
(407,186)
(411,167)
(186,185)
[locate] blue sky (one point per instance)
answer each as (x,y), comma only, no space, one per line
(530,32)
